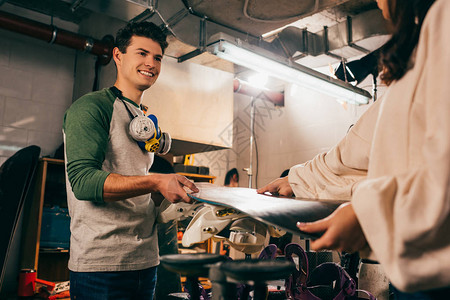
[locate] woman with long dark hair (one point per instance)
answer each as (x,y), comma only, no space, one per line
(394,164)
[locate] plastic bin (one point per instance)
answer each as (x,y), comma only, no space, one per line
(55,229)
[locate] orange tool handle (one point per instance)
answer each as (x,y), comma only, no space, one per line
(50,285)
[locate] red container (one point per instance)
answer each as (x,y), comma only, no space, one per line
(27,283)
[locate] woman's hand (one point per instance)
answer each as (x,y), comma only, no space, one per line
(277,187)
(341,231)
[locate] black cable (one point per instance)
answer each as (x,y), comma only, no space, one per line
(257,160)
(256,144)
(98,65)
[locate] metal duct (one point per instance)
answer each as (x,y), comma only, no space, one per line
(195,22)
(173,15)
(190,28)
(296,41)
(195,28)
(54,35)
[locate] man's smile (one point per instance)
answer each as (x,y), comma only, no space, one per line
(147,73)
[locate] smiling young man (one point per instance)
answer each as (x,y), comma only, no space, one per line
(113,246)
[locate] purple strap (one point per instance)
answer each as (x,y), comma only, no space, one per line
(295,285)
(371,297)
(326,273)
(269,252)
(299,285)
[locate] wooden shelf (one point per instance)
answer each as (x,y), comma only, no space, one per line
(51,264)
(53,250)
(199,177)
(52,160)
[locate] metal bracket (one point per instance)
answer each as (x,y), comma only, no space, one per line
(350,37)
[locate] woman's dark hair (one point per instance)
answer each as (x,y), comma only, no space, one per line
(144,29)
(407,18)
(230,174)
(284,173)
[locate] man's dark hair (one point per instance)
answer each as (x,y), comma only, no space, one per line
(143,29)
(230,174)
(407,18)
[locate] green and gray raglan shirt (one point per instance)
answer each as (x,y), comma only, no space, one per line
(113,236)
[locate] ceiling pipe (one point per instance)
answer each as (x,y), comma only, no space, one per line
(244,88)
(54,35)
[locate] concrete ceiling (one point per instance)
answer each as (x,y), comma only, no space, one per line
(254,17)
(318,34)
(258,17)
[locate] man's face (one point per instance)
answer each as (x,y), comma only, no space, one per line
(139,67)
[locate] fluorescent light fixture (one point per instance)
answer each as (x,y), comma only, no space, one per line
(258,80)
(263,61)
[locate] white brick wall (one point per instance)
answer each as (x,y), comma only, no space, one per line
(36,86)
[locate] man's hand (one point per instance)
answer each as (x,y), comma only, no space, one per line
(118,187)
(342,231)
(171,186)
(277,187)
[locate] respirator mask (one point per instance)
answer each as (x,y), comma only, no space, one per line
(144,129)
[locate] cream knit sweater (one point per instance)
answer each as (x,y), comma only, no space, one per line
(394,166)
